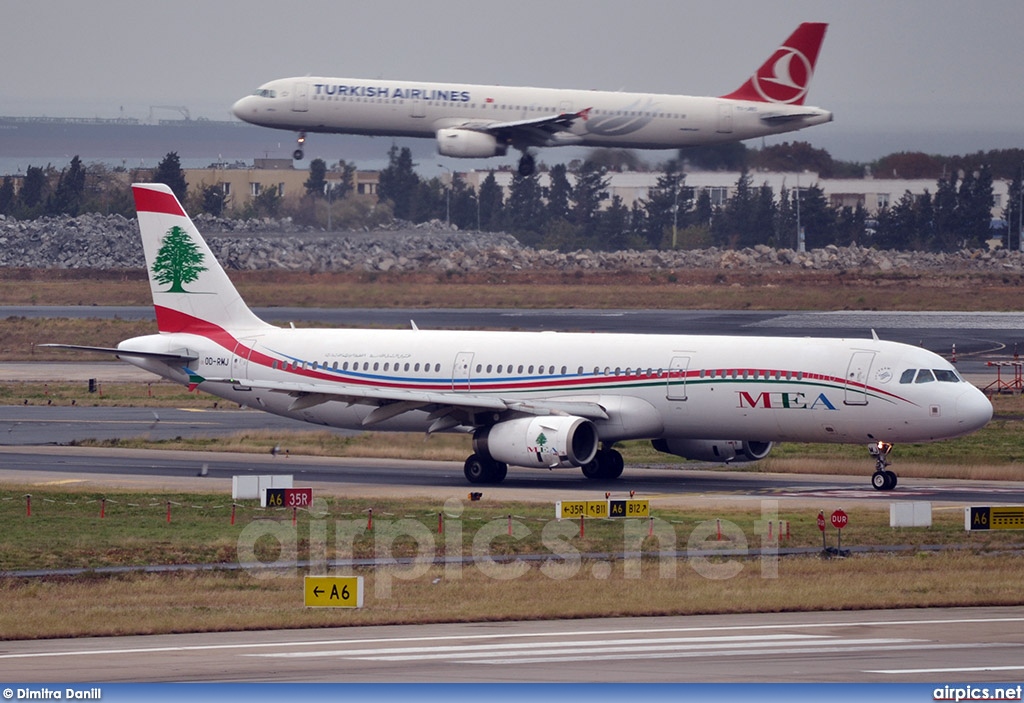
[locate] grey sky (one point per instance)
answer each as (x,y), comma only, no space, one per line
(943,76)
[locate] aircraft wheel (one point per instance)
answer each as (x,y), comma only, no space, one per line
(475,469)
(526,165)
(592,469)
(483,469)
(880,481)
(607,465)
(893,479)
(297,154)
(615,464)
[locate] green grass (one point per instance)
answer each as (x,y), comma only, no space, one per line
(65,530)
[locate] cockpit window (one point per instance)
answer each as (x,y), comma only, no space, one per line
(265,93)
(929,375)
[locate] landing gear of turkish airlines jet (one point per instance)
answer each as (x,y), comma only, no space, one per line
(882,479)
(300,141)
(527,164)
(480,468)
(606,465)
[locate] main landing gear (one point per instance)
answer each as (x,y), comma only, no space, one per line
(300,141)
(882,479)
(606,465)
(527,164)
(481,468)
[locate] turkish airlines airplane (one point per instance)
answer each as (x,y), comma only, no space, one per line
(479,121)
(544,400)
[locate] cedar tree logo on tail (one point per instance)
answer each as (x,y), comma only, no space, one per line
(178,261)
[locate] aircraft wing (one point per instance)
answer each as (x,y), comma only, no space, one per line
(536,128)
(448,409)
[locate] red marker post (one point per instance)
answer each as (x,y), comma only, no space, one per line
(821,526)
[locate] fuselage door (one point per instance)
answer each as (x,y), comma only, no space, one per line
(676,382)
(857,378)
(240,360)
(417,109)
(724,118)
(300,97)
(461,371)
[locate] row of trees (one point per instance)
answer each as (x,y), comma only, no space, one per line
(571,215)
(79,189)
(568,216)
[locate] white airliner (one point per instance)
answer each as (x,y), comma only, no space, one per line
(479,121)
(545,400)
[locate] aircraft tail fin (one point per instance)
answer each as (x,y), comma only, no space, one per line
(191,291)
(786,75)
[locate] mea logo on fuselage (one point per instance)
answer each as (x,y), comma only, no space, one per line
(784,401)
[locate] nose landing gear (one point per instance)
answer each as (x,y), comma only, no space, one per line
(300,142)
(882,479)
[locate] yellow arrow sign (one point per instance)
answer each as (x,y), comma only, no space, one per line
(333,591)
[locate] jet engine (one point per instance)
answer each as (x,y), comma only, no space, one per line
(547,441)
(467,144)
(716,450)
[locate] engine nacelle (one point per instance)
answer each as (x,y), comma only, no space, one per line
(467,144)
(717,450)
(548,441)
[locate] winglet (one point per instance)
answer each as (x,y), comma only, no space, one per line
(786,76)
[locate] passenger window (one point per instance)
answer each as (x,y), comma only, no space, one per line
(908,376)
(924,376)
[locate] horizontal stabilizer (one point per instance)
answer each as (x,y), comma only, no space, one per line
(160,356)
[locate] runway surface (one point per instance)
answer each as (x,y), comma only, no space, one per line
(180,470)
(934,644)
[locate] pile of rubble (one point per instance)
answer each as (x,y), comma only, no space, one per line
(112,242)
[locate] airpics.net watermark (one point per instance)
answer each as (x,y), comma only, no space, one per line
(406,549)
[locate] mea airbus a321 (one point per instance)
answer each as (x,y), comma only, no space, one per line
(544,400)
(480,121)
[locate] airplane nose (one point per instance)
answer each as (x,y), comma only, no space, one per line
(973,410)
(242,108)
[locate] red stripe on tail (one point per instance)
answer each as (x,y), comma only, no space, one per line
(147,200)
